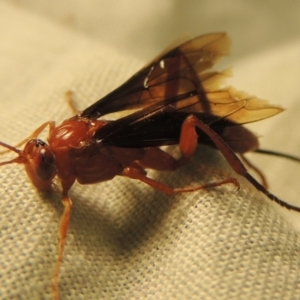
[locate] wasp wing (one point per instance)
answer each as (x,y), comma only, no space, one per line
(170,88)
(173,73)
(160,124)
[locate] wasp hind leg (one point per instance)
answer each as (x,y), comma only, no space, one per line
(188,144)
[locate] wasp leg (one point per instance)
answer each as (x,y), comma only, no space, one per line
(70,101)
(137,172)
(188,144)
(34,135)
(259,173)
(63,230)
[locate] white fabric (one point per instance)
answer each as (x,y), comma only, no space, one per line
(126,240)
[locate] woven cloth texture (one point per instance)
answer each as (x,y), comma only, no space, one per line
(127,240)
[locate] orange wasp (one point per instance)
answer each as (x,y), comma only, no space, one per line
(176,99)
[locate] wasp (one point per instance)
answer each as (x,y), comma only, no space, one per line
(177,99)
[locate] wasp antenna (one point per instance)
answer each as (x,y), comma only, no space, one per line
(10,147)
(18,159)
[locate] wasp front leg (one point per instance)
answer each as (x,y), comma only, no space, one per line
(34,135)
(63,230)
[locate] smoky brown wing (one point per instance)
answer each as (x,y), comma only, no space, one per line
(154,122)
(164,128)
(181,78)
(176,72)
(177,83)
